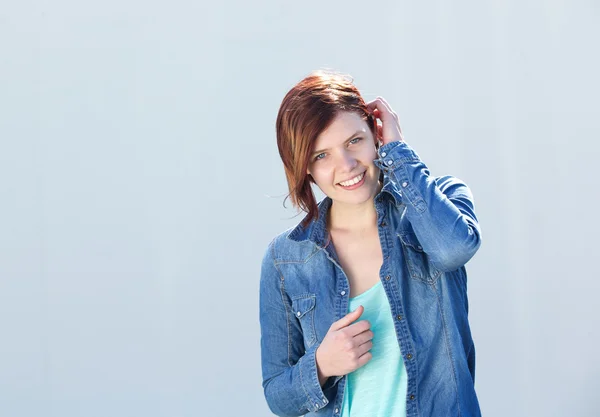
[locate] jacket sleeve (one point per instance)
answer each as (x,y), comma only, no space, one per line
(290,381)
(440,209)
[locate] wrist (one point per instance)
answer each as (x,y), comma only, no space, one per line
(383,142)
(320,371)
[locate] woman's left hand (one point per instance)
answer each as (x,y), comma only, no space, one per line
(390,130)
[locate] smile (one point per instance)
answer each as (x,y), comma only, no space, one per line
(353,181)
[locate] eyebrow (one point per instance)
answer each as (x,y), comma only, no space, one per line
(352,136)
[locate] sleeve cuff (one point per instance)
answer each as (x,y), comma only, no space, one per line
(396,159)
(309,379)
(394,153)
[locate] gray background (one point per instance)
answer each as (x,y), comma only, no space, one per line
(140,184)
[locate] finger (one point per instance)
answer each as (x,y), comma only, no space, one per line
(363,337)
(383,113)
(380,104)
(358,328)
(364,359)
(386,104)
(348,319)
(371,105)
(381,109)
(364,348)
(374,105)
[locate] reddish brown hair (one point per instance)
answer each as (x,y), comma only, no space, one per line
(306,111)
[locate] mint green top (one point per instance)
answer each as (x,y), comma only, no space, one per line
(377,389)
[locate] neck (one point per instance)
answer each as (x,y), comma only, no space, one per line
(352,217)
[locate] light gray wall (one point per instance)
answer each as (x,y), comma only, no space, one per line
(137,157)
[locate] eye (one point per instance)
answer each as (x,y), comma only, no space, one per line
(355,140)
(320,156)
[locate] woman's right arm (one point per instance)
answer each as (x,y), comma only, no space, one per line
(290,378)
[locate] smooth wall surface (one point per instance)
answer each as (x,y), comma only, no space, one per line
(140,184)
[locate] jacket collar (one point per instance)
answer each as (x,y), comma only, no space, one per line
(388,191)
(316,230)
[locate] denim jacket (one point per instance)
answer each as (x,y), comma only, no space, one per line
(428,231)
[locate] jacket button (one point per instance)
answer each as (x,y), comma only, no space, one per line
(409,356)
(383,224)
(387,278)
(343,293)
(337,410)
(399,317)
(404,184)
(412,397)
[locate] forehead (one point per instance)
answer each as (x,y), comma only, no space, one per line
(343,126)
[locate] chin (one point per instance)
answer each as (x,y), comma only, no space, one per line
(358,196)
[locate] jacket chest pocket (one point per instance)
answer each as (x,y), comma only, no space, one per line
(303,307)
(417,261)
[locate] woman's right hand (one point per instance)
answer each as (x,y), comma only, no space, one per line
(345,347)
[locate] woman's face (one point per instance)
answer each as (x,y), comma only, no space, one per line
(341,162)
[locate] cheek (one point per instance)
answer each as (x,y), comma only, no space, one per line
(322,175)
(369,155)
(373,148)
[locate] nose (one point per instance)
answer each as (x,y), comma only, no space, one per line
(347,162)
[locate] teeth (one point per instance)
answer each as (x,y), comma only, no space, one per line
(353,180)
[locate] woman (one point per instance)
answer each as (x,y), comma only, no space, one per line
(363,305)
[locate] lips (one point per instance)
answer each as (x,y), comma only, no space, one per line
(354,181)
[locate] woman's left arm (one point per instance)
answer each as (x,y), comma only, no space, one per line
(440,209)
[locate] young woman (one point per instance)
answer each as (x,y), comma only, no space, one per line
(363,305)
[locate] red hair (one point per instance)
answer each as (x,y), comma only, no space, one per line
(306,111)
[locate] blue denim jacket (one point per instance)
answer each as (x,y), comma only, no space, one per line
(428,231)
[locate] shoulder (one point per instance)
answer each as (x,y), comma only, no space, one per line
(283,249)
